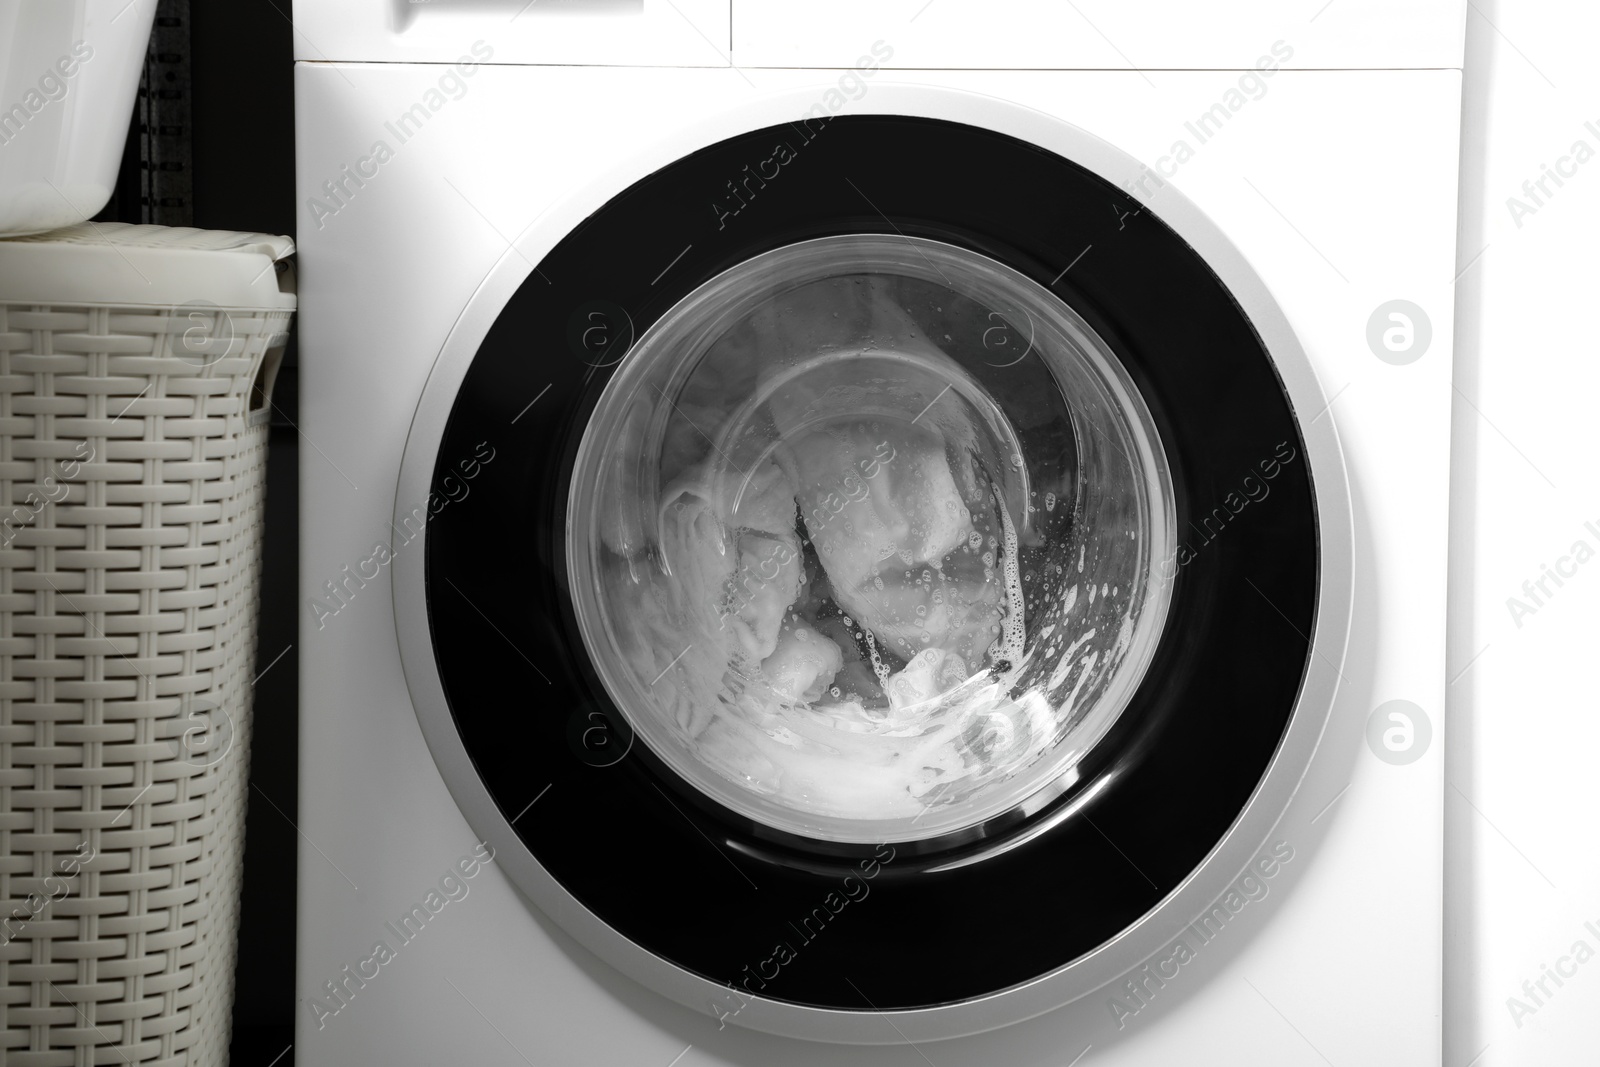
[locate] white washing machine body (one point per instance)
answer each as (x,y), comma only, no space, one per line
(449,155)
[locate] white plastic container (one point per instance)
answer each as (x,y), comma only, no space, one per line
(136,367)
(69,71)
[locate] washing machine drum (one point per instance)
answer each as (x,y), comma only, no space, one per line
(889,522)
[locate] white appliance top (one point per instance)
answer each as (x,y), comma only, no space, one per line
(946,34)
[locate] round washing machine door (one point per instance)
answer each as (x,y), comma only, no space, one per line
(896,587)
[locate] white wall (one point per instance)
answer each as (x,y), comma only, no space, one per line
(1524,707)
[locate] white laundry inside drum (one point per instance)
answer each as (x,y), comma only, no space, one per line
(866,539)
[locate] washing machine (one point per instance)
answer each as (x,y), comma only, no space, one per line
(890,534)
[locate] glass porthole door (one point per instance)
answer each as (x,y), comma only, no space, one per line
(881,533)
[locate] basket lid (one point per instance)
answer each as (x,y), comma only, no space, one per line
(124,264)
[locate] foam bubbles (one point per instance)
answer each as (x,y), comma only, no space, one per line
(1013,632)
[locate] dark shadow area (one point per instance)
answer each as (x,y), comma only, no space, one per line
(243,179)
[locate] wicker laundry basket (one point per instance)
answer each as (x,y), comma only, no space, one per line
(136,364)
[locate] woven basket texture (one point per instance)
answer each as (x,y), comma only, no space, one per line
(131,493)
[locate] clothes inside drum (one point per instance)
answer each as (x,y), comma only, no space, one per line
(866,537)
